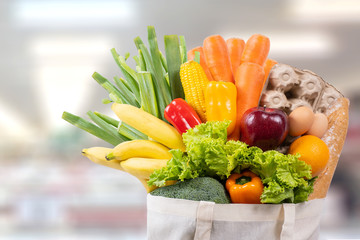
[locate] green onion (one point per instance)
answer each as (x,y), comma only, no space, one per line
(183,50)
(173,58)
(123,128)
(161,84)
(163,62)
(130,132)
(129,74)
(148,94)
(108,119)
(91,128)
(142,64)
(128,96)
(106,126)
(106,101)
(114,93)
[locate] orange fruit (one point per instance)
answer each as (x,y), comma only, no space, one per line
(313,151)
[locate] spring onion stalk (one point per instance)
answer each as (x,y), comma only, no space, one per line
(123,128)
(157,72)
(148,94)
(107,119)
(106,126)
(158,94)
(91,128)
(174,61)
(129,73)
(127,95)
(114,93)
(130,132)
(142,64)
(138,63)
(183,50)
(163,62)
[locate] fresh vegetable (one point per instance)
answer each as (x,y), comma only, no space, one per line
(194,81)
(208,153)
(217,58)
(235,48)
(181,115)
(256,49)
(244,187)
(150,125)
(249,79)
(161,85)
(148,86)
(220,103)
(269,64)
(198,189)
(174,61)
(93,129)
(139,148)
(191,56)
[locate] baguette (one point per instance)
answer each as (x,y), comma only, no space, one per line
(338,117)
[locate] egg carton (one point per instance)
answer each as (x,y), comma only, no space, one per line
(288,88)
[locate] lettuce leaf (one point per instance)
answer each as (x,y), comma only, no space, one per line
(286,179)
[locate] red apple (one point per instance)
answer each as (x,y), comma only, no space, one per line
(264,127)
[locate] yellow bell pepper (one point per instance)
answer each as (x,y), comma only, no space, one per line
(220,102)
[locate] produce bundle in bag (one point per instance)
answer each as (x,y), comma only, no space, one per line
(226,141)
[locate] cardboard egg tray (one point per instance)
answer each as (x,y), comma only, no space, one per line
(288,88)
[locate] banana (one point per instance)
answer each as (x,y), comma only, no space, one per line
(139,148)
(97,155)
(142,167)
(150,125)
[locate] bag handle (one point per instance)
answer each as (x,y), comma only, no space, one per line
(204,219)
(287,231)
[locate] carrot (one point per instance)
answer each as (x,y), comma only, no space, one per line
(269,63)
(249,78)
(256,49)
(217,58)
(191,55)
(235,49)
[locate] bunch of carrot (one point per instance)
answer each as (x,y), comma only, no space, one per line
(246,64)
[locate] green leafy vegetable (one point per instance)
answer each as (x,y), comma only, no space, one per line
(208,153)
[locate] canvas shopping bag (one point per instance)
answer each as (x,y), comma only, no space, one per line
(178,219)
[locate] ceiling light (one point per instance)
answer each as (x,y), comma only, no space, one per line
(324,10)
(74,13)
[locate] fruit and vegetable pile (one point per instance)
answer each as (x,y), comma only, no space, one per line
(190,124)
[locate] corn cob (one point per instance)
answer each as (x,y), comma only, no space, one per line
(194,81)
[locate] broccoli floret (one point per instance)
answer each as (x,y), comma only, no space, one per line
(197,189)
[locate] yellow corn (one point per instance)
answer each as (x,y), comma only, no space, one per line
(194,81)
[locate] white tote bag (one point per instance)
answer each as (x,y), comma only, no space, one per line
(178,219)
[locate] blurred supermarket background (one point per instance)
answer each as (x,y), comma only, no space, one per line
(49,50)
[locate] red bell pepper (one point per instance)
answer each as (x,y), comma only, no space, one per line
(181,115)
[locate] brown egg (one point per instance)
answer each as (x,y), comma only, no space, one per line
(300,121)
(319,126)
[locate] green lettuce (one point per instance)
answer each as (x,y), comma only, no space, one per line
(286,179)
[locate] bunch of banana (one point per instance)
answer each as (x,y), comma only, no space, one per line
(139,165)
(139,157)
